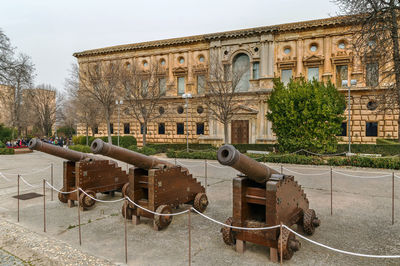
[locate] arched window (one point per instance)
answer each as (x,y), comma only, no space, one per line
(241,72)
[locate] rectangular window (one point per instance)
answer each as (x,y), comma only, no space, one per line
(162,83)
(227,69)
(286,76)
(256,70)
(200,128)
(341,74)
(372,74)
(96,130)
(181,85)
(127,129)
(371,129)
(180,128)
(313,73)
(161,128)
(343,133)
(145,85)
(201,84)
(142,129)
(111,128)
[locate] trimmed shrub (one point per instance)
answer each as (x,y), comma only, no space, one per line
(163,148)
(81,148)
(255,147)
(385,150)
(209,155)
(2,145)
(124,141)
(291,159)
(6,151)
(145,150)
(358,161)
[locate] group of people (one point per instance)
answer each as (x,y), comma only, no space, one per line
(19,143)
(22,143)
(57,141)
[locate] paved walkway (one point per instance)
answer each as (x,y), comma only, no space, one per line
(8,259)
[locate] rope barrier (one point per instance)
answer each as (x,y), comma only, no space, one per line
(105,201)
(362,177)
(27,183)
(156,213)
(343,251)
(59,191)
(297,173)
(216,166)
(5,178)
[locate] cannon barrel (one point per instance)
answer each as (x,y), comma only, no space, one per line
(139,160)
(230,156)
(75,156)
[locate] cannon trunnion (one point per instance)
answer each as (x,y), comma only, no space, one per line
(155,185)
(261,198)
(90,173)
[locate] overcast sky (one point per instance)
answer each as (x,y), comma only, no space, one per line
(50,31)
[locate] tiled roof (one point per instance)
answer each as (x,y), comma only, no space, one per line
(334,21)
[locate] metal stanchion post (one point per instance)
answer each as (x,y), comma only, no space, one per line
(126,240)
(79,217)
(44,205)
(281,239)
(175,160)
(281,169)
(331,192)
(18,199)
(205,174)
(190,237)
(51,181)
(393,198)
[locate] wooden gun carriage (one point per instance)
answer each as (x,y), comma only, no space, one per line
(92,174)
(155,185)
(261,198)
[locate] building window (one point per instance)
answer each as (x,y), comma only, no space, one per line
(313,47)
(201,58)
(111,128)
(142,129)
(179,109)
(342,45)
(256,70)
(313,73)
(181,60)
(287,50)
(161,110)
(145,64)
(341,74)
(200,109)
(200,128)
(181,85)
(201,82)
(96,130)
(145,86)
(161,128)
(372,74)
(372,105)
(286,76)
(371,129)
(226,72)
(180,128)
(343,133)
(127,128)
(162,83)
(241,72)
(162,62)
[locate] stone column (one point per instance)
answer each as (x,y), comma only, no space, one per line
(170,66)
(264,59)
(270,59)
(299,54)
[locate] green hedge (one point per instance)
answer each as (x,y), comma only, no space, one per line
(124,141)
(4,151)
(210,155)
(81,148)
(163,148)
(385,150)
(145,150)
(255,147)
(2,145)
(291,158)
(358,161)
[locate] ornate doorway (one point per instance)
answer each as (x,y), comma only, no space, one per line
(240,131)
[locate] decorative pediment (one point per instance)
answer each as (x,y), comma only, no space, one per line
(246,110)
(313,60)
(199,69)
(342,58)
(180,70)
(286,63)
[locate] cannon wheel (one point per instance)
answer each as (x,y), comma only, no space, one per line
(200,202)
(227,233)
(124,189)
(161,221)
(310,221)
(85,201)
(62,197)
(288,244)
(126,209)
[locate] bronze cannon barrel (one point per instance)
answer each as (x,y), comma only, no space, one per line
(75,156)
(258,172)
(139,160)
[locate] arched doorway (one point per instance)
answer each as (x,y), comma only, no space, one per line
(241,72)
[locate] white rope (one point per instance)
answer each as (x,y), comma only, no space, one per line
(59,191)
(156,213)
(27,183)
(362,177)
(182,164)
(30,173)
(216,166)
(190,162)
(105,201)
(397,176)
(297,173)
(5,178)
(236,227)
(343,251)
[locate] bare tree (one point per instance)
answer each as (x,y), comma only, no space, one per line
(80,107)
(375,34)
(223,84)
(42,104)
(100,82)
(6,57)
(142,93)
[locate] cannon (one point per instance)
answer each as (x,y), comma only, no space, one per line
(155,185)
(262,197)
(92,174)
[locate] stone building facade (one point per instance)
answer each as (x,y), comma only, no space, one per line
(313,49)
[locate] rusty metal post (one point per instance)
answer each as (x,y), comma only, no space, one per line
(18,199)
(190,237)
(51,181)
(331,191)
(44,205)
(205,175)
(175,160)
(281,169)
(281,239)
(392,198)
(126,239)
(79,217)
